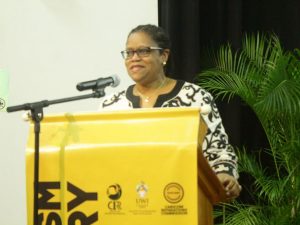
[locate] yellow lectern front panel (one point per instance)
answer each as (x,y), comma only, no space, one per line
(117,168)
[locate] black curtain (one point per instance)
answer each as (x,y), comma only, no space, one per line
(198,26)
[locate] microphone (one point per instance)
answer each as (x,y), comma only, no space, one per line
(99,83)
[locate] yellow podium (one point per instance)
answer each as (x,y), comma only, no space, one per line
(123,168)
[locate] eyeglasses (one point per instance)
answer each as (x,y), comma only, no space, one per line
(141,52)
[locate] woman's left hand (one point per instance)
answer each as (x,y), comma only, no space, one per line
(230,184)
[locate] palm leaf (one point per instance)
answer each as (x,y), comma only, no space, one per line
(249,164)
(278,95)
(242,214)
(228,79)
(268,80)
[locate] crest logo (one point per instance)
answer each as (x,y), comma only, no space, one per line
(142,190)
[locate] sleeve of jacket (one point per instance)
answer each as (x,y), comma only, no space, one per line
(216,148)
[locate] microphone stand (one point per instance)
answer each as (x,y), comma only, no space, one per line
(37,115)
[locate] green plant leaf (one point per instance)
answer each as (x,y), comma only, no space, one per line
(267,79)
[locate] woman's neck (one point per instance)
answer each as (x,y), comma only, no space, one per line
(151,86)
(149,94)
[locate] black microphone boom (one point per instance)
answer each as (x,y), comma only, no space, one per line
(99,83)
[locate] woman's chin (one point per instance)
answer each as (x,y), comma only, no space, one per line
(136,77)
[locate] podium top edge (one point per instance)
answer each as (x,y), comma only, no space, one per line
(121,114)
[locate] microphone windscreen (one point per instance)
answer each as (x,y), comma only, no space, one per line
(116,80)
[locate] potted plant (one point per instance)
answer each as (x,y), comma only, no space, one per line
(267,79)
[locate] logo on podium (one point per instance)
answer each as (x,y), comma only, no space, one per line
(173,193)
(142,190)
(114,193)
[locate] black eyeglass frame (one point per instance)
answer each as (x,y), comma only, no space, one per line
(141,52)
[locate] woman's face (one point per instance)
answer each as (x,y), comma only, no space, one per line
(144,69)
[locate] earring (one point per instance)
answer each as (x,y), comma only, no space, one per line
(164,63)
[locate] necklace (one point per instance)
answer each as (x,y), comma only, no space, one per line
(147,98)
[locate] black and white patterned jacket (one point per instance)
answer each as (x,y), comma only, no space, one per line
(216,148)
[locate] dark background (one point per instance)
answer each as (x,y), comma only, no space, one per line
(198,26)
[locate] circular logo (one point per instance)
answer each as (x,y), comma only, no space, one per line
(173,192)
(114,192)
(2,103)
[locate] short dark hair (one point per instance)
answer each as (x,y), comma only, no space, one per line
(158,34)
